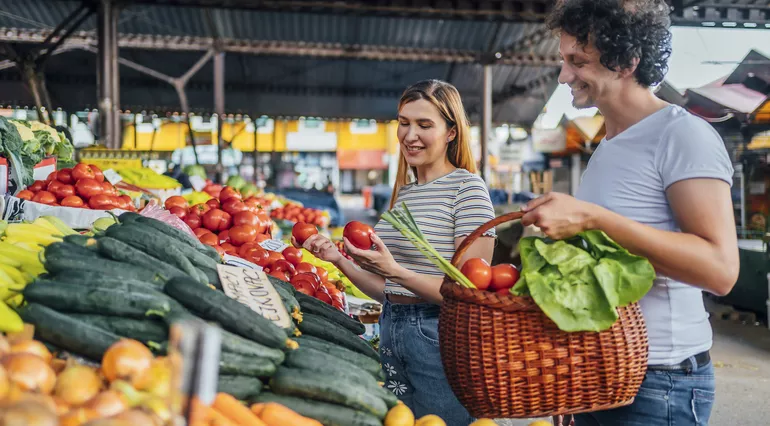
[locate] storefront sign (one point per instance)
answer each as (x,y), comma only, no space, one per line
(252,288)
(549,140)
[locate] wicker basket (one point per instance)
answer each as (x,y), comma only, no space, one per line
(504,358)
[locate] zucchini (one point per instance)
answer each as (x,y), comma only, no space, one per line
(327,414)
(66,332)
(314,385)
(77,276)
(142,330)
(290,302)
(86,300)
(245,366)
(180,236)
(216,306)
(314,306)
(241,387)
(58,262)
(159,246)
(332,332)
(122,252)
(107,284)
(361,361)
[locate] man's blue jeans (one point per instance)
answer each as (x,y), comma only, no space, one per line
(666,398)
(411,360)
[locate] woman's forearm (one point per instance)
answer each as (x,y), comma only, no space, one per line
(370,284)
(425,286)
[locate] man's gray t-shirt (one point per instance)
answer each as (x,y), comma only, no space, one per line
(629,174)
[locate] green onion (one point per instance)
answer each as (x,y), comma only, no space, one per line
(403,221)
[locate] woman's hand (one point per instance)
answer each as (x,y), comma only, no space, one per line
(378,261)
(322,248)
(560,216)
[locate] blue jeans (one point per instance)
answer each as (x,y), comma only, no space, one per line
(412,362)
(666,398)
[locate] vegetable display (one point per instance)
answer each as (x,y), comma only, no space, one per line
(27,143)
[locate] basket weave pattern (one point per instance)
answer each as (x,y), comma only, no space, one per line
(504,358)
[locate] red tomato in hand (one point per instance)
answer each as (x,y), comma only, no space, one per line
(242,234)
(302,231)
(44,197)
(64,191)
(38,186)
(201,231)
(72,201)
(102,202)
(98,174)
(193,221)
(293,255)
(229,192)
(179,212)
(65,176)
(87,188)
(359,234)
(478,272)
(175,201)
(25,194)
(199,209)
(216,220)
(209,239)
(504,276)
(84,171)
(303,267)
(234,206)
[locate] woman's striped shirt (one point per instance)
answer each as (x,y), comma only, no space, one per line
(449,207)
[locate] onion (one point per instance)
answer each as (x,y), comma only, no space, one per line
(137,417)
(5,384)
(108,403)
(156,379)
(30,372)
(77,417)
(29,413)
(5,347)
(126,360)
(77,384)
(32,347)
(61,406)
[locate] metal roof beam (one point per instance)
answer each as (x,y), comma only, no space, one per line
(284,48)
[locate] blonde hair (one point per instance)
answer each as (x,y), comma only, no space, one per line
(446,99)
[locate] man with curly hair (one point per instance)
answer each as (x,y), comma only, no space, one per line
(659,185)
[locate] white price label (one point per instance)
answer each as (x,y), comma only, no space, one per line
(273,245)
(241,263)
(197,183)
(112,176)
(254,289)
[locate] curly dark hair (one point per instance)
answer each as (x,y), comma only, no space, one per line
(621,30)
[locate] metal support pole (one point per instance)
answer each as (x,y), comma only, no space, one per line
(104,74)
(117,126)
(219,107)
(486,119)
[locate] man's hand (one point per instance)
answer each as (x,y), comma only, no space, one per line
(560,216)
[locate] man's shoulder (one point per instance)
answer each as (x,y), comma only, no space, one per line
(678,122)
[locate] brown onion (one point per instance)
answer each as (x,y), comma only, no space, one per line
(108,403)
(78,384)
(126,360)
(32,347)
(30,372)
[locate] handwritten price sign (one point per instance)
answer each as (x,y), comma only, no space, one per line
(252,288)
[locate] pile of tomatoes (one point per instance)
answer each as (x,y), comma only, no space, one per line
(295,213)
(82,186)
(304,277)
(499,278)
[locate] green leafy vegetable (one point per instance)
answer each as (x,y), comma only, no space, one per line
(580,282)
(11,146)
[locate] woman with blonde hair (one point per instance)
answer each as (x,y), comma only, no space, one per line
(437,181)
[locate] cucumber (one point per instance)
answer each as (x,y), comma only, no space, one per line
(128,217)
(327,414)
(180,236)
(122,252)
(159,246)
(77,239)
(332,332)
(314,306)
(290,302)
(361,361)
(212,276)
(57,262)
(241,387)
(77,276)
(245,366)
(142,330)
(68,249)
(314,385)
(216,306)
(66,332)
(282,284)
(85,300)
(113,284)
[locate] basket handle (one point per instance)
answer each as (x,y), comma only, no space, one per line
(460,252)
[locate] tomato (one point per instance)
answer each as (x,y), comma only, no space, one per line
(25,194)
(229,249)
(220,250)
(253,204)
(209,239)
(200,231)
(72,201)
(233,206)
(304,284)
(53,186)
(321,221)
(273,256)
(193,221)
(39,185)
(283,276)
(175,201)
(213,203)
(478,272)
(216,220)
(504,276)
(51,176)
(293,255)
(109,189)
(261,238)
(178,212)
(305,267)
(229,192)
(242,234)
(44,197)
(98,174)
(323,295)
(122,202)
(224,235)
(213,190)
(264,218)
(87,188)
(302,231)
(64,191)
(199,209)
(258,255)
(359,234)
(102,202)
(503,291)
(246,218)
(65,176)
(84,171)
(283,265)
(322,274)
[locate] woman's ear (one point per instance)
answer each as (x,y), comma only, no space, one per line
(452,134)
